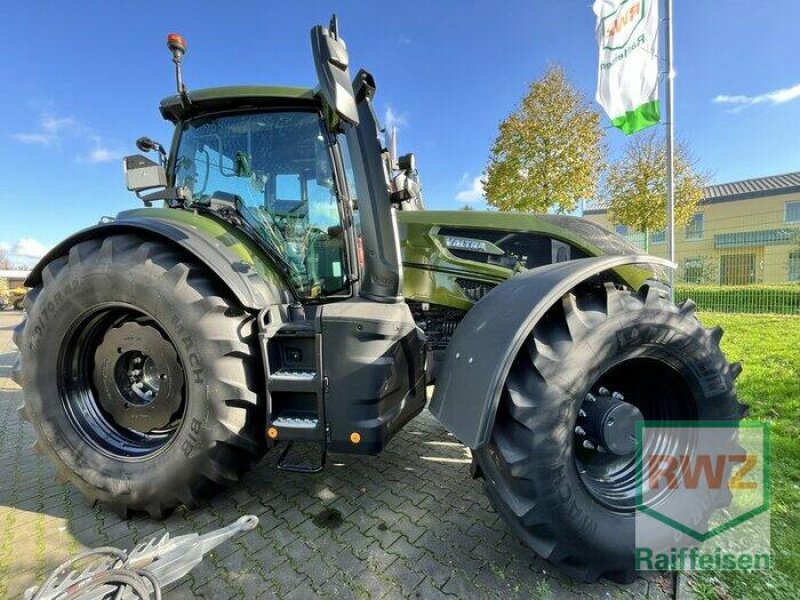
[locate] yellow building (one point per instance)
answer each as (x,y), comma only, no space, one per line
(744,232)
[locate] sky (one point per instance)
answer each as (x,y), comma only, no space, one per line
(79,85)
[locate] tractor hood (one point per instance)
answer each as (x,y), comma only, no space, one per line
(453,258)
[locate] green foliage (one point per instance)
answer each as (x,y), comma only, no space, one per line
(770,384)
(698,269)
(549,153)
(636,185)
(774,299)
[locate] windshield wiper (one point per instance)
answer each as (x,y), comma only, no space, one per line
(252,224)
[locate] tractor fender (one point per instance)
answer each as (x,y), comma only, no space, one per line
(250,289)
(484,345)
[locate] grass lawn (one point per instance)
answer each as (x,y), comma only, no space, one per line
(769,350)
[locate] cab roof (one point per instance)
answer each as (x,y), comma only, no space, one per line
(236,97)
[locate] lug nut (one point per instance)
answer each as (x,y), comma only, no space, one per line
(581,413)
(590,398)
(617,396)
(603,391)
(588,444)
(580,430)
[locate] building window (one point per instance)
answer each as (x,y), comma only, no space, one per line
(621,229)
(794,265)
(792,214)
(694,229)
(658,237)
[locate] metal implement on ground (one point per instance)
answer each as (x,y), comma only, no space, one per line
(141,574)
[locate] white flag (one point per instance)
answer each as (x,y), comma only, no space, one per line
(627,81)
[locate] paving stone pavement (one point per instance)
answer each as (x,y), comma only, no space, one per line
(410,523)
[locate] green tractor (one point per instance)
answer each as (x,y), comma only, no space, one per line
(291,290)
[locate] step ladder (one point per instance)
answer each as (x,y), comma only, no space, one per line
(292,350)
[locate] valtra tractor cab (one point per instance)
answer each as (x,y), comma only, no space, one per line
(290,289)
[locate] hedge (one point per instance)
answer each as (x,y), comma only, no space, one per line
(775,299)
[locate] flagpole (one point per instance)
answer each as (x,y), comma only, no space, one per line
(670,150)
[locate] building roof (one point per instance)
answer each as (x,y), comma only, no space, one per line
(753,188)
(746,189)
(14,274)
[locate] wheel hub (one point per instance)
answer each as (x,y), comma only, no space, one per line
(138,377)
(608,423)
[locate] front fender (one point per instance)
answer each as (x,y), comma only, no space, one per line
(481,351)
(240,277)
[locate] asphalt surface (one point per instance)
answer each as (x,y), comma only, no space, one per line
(409,523)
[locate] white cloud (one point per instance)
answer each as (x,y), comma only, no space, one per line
(53,130)
(391,118)
(774,97)
(53,124)
(28,248)
(101,153)
(24,252)
(473,190)
(41,139)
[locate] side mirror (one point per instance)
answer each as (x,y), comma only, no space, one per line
(141,173)
(407,162)
(145,144)
(332,65)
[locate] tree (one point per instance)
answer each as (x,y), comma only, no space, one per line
(467,207)
(4,262)
(636,185)
(549,153)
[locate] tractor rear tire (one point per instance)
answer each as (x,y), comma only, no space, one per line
(572,501)
(140,376)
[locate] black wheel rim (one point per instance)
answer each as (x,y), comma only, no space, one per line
(121,382)
(639,389)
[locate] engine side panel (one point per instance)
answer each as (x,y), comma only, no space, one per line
(452,258)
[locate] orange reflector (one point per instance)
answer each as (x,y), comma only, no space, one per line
(272,433)
(355,437)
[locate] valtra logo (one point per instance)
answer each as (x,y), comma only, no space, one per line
(619,27)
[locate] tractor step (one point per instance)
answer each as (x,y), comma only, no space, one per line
(295,422)
(286,380)
(304,467)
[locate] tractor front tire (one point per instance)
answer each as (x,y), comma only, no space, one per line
(566,490)
(140,375)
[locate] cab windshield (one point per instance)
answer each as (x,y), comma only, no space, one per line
(278,165)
